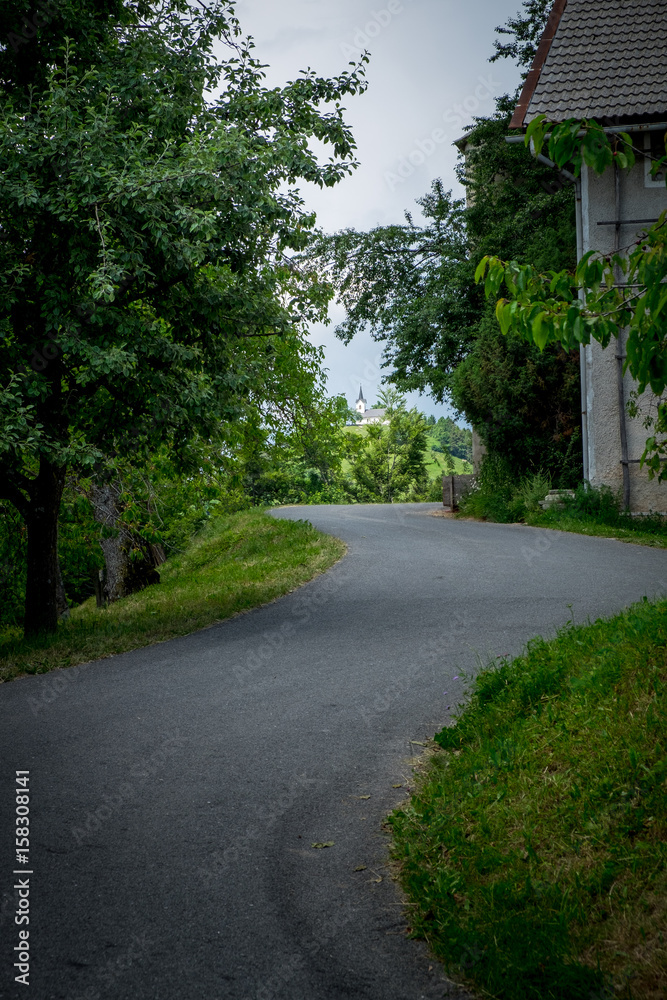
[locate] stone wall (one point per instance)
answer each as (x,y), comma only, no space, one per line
(452,489)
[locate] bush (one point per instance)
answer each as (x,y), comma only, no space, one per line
(496,495)
(532,490)
(599,502)
(602,506)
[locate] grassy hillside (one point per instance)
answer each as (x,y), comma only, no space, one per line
(435,462)
(534,851)
(235,563)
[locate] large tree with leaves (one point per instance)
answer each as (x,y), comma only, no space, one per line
(412,285)
(147,217)
(388,460)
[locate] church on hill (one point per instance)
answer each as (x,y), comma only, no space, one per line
(371,416)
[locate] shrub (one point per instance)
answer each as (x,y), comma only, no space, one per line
(496,495)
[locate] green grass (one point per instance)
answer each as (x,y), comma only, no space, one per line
(236,563)
(533,852)
(595,511)
(435,463)
(640,530)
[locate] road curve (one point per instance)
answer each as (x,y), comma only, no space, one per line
(176,791)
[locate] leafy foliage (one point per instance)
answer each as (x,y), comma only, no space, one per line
(388,462)
(413,286)
(525,31)
(452,439)
(571,309)
(147,291)
(593,509)
(408,285)
(498,495)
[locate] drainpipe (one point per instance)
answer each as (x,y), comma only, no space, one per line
(582,349)
(620,357)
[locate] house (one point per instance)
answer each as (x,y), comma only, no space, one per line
(608,61)
(372,416)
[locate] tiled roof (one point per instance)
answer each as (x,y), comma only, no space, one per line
(607,60)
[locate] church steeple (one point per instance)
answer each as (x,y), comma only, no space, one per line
(360,405)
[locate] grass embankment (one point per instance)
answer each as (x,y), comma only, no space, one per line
(591,511)
(236,563)
(533,852)
(641,530)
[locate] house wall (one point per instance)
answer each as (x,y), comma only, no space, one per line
(601,203)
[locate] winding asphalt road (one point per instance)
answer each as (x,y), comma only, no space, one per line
(176,790)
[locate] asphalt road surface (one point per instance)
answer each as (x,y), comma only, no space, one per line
(176,791)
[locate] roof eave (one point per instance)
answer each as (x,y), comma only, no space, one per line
(538,62)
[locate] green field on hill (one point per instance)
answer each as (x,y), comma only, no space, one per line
(435,460)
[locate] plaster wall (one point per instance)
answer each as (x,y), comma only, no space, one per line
(478,451)
(601,204)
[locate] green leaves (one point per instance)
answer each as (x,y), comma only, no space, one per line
(542,309)
(388,462)
(146,230)
(576,141)
(541,328)
(535,133)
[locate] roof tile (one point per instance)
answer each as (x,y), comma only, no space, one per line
(608,60)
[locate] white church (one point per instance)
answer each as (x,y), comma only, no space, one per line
(371,416)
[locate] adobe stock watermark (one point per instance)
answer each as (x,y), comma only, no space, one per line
(363,36)
(455,117)
(372,373)
(40,360)
(428,655)
(27,30)
(306,603)
(52,685)
(471,956)
(541,544)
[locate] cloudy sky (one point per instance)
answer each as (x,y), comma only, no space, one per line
(429,74)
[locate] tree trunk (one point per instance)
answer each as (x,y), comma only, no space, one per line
(43,570)
(129,562)
(61,596)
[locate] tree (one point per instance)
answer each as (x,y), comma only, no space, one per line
(547,308)
(452,439)
(525,31)
(146,233)
(413,286)
(388,463)
(409,285)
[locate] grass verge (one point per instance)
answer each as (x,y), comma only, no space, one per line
(597,511)
(236,563)
(533,852)
(643,530)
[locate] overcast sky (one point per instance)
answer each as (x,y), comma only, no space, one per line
(429,74)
